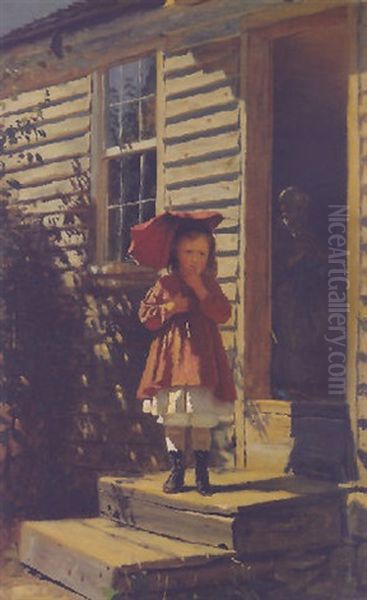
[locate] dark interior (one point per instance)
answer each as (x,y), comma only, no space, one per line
(309,152)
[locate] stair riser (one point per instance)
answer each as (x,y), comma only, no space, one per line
(261,530)
(136,511)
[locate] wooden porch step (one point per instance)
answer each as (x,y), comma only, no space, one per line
(249,514)
(95,556)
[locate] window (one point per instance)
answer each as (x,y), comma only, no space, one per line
(129,153)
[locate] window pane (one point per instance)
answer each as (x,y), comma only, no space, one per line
(129,123)
(114,85)
(114,182)
(147,210)
(130,168)
(124,179)
(130,94)
(130,81)
(148,76)
(147,118)
(149,174)
(113,136)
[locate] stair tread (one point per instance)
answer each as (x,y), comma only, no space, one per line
(96,556)
(116,546)
(234,491)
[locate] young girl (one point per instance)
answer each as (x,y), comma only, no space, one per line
(187,373)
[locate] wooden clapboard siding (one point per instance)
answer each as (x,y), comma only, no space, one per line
(211,57)
(73,127)
(46,191)
(198,103)
(213,193)
(74,106)
(222,119)
(189,151)
(228,267)
(52,208)
(57,93)
(227,242)
(202,170)
(43,173)
(49,186)
(63,149)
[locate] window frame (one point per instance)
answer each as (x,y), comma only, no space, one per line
(101,154)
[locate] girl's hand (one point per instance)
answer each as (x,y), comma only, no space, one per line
(192,278)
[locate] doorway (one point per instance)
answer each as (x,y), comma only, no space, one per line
(296,176)
(309,189)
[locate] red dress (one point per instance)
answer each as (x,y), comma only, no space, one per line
(187,349)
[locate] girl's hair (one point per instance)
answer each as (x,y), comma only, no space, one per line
(192,231)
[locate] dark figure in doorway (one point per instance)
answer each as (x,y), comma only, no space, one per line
(299,367)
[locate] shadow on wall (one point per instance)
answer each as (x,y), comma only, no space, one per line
(69,369)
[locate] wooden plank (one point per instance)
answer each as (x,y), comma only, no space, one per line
(187,84)
(201,146)
(203,170)
(228,267)
(44,191)
(227,242)
(54,113)
(289,527)
(355,274)
(64,149)
(228,338)
(46,173)
(88,555)
(268,457)
(238,369)
(211,192)
(271,407)
(144,513)
(258,218)
(225,119)
(197,102)
(29,100)
(207,57)
(268,429)
(230,290)
(65,129)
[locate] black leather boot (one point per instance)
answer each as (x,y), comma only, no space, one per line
(201,473)
(175,481)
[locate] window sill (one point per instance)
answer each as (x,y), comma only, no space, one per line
(117,274)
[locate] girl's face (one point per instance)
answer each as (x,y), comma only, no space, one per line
(192,254)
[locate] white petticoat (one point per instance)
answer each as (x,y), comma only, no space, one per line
(193,406)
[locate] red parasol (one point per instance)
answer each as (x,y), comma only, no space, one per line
(151,241)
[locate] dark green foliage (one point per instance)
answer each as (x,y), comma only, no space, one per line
(64,340)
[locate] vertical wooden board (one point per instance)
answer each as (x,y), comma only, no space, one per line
(258,221)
